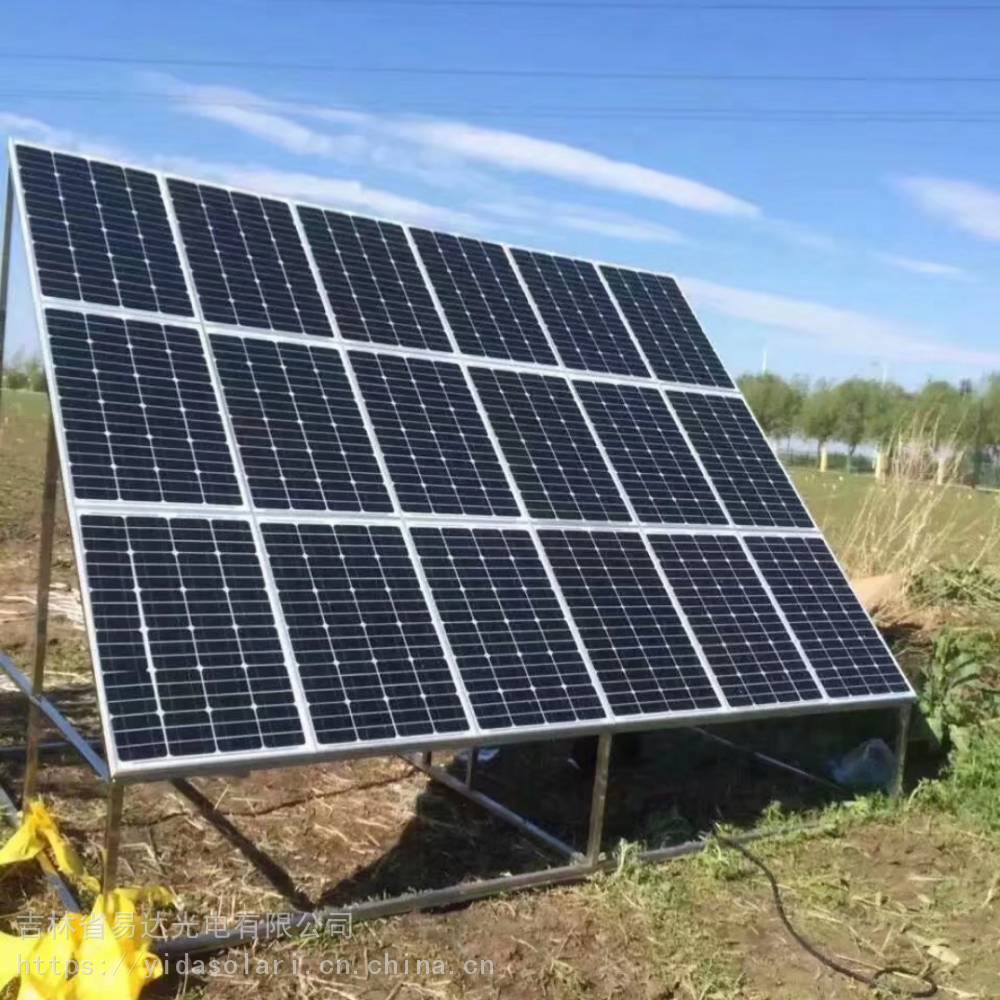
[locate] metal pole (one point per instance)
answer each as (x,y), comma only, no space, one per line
(496,808)
(8,229)
(470,766)
(902,739)
(112,835)
(47,533)
(598,799)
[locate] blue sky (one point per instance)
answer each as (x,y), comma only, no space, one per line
(847,224)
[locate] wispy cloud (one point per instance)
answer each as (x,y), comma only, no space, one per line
(32,129)
(349,193)
(929,268)
(386,138)
(968,206)
(514,151)
(841,331)
(581,218)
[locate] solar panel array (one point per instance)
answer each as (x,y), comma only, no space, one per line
(339,486)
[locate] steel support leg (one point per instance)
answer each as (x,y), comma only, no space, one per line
(8,229)
(902,739)
(112,835)
(470,766)
(47,533)
(599,799)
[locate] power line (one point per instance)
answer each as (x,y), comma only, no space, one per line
(476,71)
(618,112)
(712,6)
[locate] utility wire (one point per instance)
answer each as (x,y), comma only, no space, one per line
(511,72)
(612,112)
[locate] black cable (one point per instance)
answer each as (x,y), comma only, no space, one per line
(872,981)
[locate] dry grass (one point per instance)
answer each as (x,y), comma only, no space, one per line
(907,522)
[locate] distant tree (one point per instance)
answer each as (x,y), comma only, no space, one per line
(855,403)
(982,421)
(943,412)
(15,378)
(774,401)
(888,413)
(819,418)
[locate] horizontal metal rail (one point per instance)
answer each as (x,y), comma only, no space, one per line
(464,892)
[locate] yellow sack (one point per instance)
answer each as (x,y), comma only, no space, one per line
(103,956)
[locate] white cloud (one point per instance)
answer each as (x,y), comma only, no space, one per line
(514,151)
(348,193)
(929,268)
(841,331)
(34,130)
(971,207)
(582,218)
(390,141)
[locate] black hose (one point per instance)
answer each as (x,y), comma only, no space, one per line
(928,990)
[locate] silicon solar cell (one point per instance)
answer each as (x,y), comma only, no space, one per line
(372,280)
(100,233)
(740,632)
(635,637)
(190,659)
(579,314)
(751,481)
(551,453)
(486,307)
(438,453)
(667,330)
(301,436)
(370,660)
(247,261)
(516,653)
(848,654)
(139,410)
(646,448)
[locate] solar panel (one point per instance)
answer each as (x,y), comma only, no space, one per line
(516,652)
(848,654)
(300,433)
(743,468)
(635,637)
(372,280)
(247,260)
(371,663)
(479,291)
(190,659)
(139,411)
(579,314)
(301,536)
(549,448)
(100,233)
(667,330)
(433,440)
(646,448)
(746,644)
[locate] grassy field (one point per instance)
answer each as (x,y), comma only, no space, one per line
(915,883)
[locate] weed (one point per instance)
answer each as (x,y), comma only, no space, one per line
(970,789)
(955,690)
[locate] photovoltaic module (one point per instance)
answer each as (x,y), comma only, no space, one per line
(338,486)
